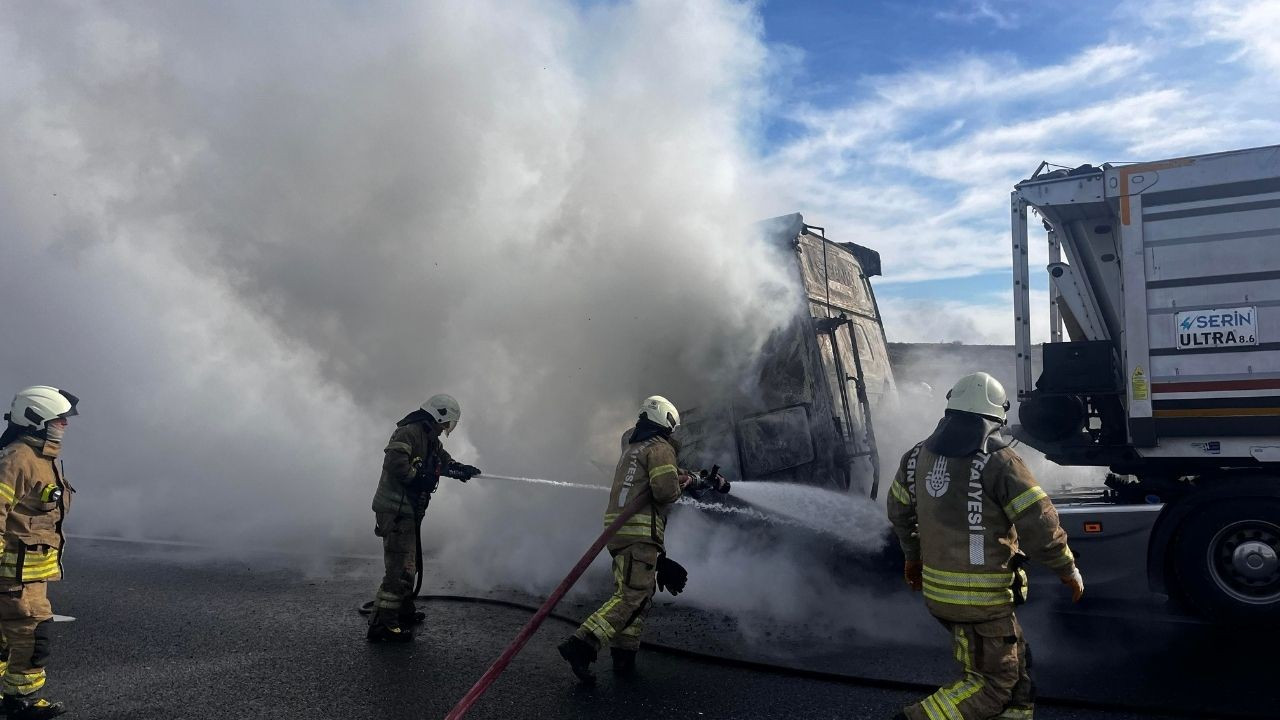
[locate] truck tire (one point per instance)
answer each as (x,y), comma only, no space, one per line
(1228,560)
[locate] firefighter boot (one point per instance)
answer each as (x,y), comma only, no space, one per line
(579,655)
(410,615)
(385,627)
(624,661)
(28,708)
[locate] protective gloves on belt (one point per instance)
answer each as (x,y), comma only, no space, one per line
(913,573)
(459,471)
(1075,581)
(671,575)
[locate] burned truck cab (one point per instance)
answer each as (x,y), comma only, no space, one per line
(807,414)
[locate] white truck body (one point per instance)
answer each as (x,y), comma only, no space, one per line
(1170,369)
(1176,264)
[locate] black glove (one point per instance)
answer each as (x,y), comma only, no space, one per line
(459,471)
(671,575)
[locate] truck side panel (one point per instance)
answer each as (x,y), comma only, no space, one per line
(1210,239)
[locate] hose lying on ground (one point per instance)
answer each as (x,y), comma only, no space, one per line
(845,678)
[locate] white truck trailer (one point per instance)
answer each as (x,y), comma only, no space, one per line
(1166,277)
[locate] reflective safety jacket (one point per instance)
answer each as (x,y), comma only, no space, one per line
(34,497)
(646,465)
(967,518)
(402,489)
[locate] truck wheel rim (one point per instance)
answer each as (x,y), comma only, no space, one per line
(1244,561)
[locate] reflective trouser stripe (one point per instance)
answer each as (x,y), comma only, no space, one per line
(620,620)
(945,703)
(596,624)
(22,683)
(386,600)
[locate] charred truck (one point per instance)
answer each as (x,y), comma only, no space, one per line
(806,415)
(1166,277)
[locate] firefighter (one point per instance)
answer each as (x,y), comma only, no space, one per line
(967,512)
(412,464)
(640,565)
(34,496)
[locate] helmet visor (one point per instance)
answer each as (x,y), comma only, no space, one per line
(74,402)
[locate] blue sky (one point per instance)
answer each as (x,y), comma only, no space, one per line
(903,126)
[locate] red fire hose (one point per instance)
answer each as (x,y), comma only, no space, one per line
(459,710)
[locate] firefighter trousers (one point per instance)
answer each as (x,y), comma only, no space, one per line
(399,558)
(619,622)
(25,619)
(996,663)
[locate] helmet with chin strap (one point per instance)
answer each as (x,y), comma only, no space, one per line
(444,410)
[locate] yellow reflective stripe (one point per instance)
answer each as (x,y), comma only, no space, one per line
(963,690)
(962,648)
(22,683)
(980,598)
(1065,559)
(7,492)
(900,493)
(662,470)
(1028,498)
(968,580)
(35,567)
(934,708)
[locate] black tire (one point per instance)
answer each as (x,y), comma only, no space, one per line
(1227,560)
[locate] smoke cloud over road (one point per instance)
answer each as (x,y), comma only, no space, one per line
(251,236)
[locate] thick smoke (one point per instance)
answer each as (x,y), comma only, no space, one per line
(253,235)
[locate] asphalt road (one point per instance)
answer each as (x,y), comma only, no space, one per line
(163,632)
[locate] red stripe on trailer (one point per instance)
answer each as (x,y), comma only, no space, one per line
(1212,385)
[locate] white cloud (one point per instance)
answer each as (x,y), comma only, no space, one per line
(983,320)
(919,164)
(976,11)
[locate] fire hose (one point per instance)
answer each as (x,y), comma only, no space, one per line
(879,683)
(637,503)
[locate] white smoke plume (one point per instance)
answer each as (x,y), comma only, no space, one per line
(251,236)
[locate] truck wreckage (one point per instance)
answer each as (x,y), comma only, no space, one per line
(808,417)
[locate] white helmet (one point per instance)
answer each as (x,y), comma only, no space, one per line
(444,410)
(979,394)
(661,411)
(35,406)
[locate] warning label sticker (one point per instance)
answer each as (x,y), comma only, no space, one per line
(1138,382)
(1228,327)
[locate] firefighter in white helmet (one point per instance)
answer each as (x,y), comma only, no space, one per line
(34,497)
(640,565)
(967,512)
(413,462)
